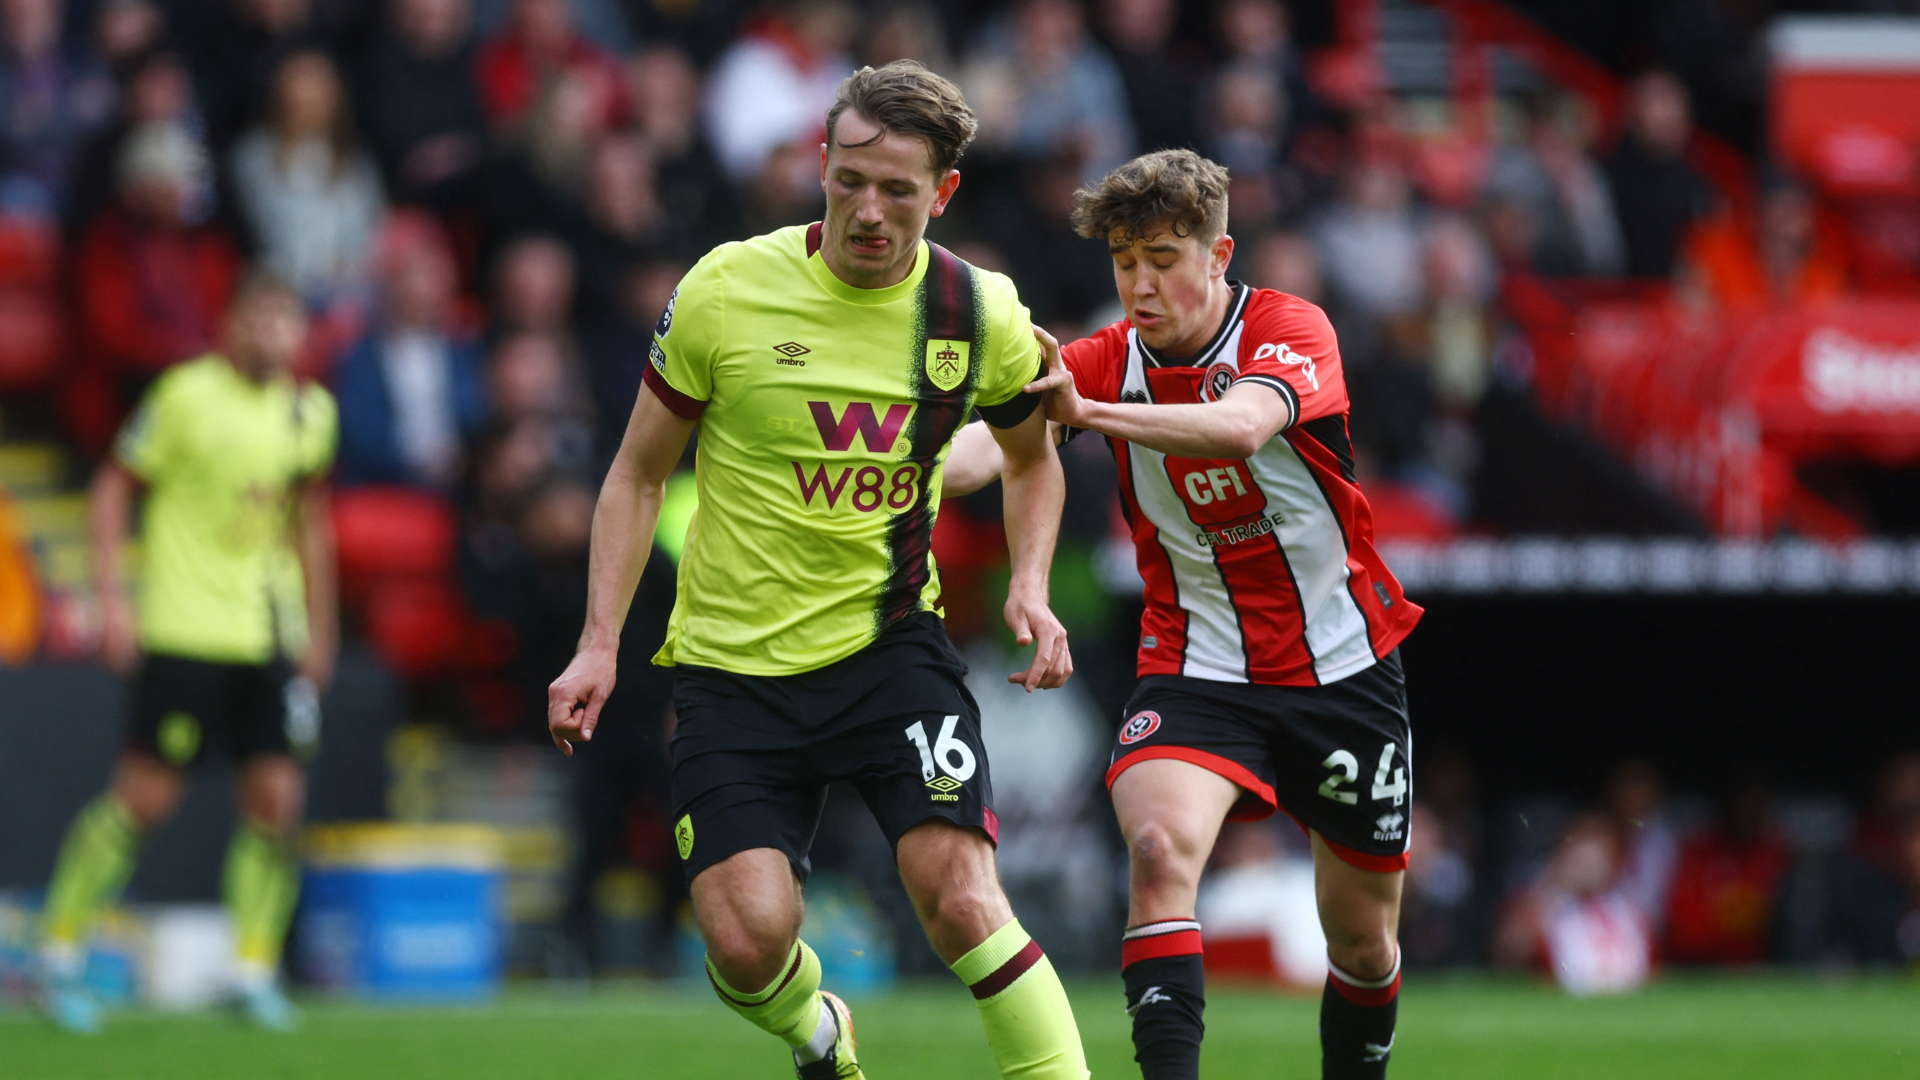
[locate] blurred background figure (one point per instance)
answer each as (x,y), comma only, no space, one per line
(1551,179)
(1042,86)
(772,88)
(1781,254)
(1726,882)
(156,88)
(310,195)
(421,104)
(1576,921)
(412,391)
(52,96)
(1656,191)
(539,44)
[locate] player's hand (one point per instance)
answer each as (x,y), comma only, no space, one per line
(119,645)
(1032,623)
(322,656)
(1062,399)
(575,699)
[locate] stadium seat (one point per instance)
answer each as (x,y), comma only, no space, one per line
(417,625)
(391,531)
(32,337)
(29,253)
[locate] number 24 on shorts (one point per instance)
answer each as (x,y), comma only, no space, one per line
(1347,770)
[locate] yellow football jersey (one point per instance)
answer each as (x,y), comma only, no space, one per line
(825,414)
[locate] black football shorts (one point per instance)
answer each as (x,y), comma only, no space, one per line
(753,754)
(181,706)
(1337,758)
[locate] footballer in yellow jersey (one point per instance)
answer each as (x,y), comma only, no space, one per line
(827,370)
(231,639)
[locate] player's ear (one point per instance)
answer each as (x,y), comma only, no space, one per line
(949,184)
(823,166)
(1222,254)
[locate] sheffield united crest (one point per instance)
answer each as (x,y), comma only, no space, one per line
(947,362)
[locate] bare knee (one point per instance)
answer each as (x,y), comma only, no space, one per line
(272,796)
(150,791)
(749,910)
(1158,862)
(967,911)
(1365,954)
(748,955)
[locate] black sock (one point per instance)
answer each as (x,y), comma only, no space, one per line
(1166,995)
(1356,1024)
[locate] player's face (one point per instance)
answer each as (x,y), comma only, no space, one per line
(880,193)
(1173,287)
(265,332)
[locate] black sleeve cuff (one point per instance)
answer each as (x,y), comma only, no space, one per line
(1014,411)
(1278,386)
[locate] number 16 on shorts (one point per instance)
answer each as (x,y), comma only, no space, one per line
(952,757)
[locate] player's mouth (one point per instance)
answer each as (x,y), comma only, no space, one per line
(868,245)
(1146,320)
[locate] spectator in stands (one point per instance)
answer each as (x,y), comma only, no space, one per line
(53,95)
(906,31)
(1551,178)
(540,42)
(616,342)
(1575,920)
(1656,192)
(1063,278)
(151,282)
(1725,884)
(1635,802)
(1370,240)
(532,379)
(311,196)
(624,223)
(538,180)
(533,287)
(1286,261)
(412,391)
(237,58)
(421,104)
(773,86)
(1162,90)
(1245,121)
(1258,33)
(1043,88)
(157,89)
(126,30)
(1779,255)
(693,191)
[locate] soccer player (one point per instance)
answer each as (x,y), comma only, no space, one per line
(827,369)
(234,637)
(1269,666)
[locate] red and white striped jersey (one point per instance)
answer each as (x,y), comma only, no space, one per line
(1263,569)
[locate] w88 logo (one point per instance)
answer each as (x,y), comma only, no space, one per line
(873,486)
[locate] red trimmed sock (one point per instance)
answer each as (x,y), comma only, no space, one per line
(1357,1018)
(1165,976)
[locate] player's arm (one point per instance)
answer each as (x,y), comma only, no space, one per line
(110,503)
(314,546)
(1236,426)
(623,526)
(976,461)
(1035,489)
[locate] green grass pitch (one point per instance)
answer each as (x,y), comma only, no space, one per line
(1749,1028)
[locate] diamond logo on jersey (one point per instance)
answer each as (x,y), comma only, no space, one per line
(945,784)
(790,354)
(683,836)
(947,362)
(1142,725)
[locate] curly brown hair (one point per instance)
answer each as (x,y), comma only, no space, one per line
(1176,190)
(906,97)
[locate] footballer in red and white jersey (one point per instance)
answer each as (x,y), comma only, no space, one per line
(1262,569)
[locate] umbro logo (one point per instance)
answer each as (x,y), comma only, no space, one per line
(790,354)
(1151,996)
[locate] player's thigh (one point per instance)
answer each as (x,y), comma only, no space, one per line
(1170,812)
(949,874)
(749,909)
(1343,757)
(735,786)
(1212,728)
(272,712)
(177,705)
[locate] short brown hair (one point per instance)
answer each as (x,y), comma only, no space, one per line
(1172,189)
(906,97)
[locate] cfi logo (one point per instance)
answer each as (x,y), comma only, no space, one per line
(1142,725)
(665,325)
(1218,381)
(947,362)
(1388,826)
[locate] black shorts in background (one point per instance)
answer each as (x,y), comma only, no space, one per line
(181,705)
(1337,758)
(753,754)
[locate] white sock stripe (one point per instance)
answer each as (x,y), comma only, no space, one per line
(1155,929)
(1367,984)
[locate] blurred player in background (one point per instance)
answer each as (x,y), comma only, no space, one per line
(827,369)
(233,637)
(1269,666)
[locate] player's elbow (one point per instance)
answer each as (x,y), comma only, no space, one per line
(1242,436)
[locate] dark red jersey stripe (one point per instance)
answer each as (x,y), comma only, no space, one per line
(682,406)
(1002,977)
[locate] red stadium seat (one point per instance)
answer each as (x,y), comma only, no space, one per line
(388,531)
(417,625)
(29,253)
(32,338)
